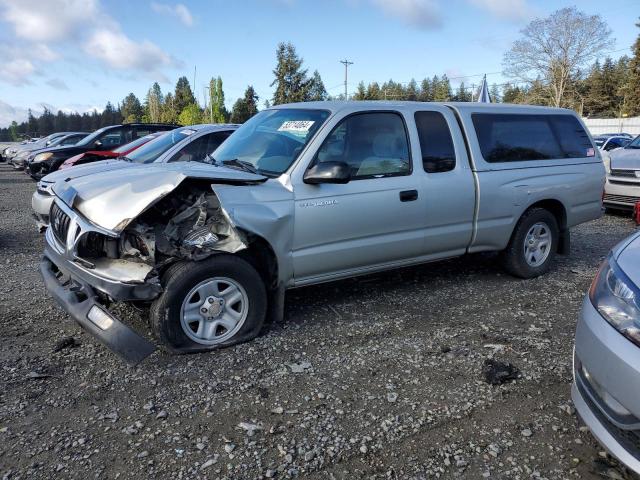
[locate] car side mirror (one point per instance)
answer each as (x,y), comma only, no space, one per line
(98,144)
(328,172)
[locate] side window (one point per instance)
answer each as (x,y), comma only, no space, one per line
(113,138)
(193,151)
(573,140)
(372,144)
(436,144)
(143,132)
(523,137)
(214,140)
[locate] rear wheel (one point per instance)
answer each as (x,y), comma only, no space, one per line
(213,303)
(533,244)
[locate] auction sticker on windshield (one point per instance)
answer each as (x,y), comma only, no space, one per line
(296,126)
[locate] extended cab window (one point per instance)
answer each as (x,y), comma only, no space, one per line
(372,144)
(523,137)
(436,144)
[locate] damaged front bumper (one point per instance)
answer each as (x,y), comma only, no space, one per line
(76,291)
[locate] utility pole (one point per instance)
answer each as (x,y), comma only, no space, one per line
(346,64)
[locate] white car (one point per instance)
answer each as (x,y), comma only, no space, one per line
(622,189)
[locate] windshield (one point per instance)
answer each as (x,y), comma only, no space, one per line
(271,140)
(135,144)
(89,139)
(635,143)
(599,141)
(150,151)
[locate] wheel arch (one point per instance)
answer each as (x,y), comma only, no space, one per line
(559,211)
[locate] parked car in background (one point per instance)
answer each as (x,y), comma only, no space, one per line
(98,155)
(33,144)
(107,138)
(20,160)
(607,144)
(622,190)
(193,143)
(607,355)
(313,192)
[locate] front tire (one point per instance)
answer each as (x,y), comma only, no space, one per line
(533,244)
(209,304)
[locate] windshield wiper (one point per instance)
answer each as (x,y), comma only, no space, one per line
(243,165)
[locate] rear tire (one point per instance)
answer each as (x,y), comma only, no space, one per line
(533,244)
(227,287)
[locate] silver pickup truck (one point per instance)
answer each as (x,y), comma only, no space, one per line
(309,193)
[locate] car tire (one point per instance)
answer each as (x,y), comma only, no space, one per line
(188,287)
(533,244)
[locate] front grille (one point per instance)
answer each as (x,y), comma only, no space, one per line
(621,198)
(59,222)
(623,173)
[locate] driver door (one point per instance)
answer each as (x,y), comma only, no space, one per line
(375,219)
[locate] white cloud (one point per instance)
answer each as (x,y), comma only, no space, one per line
(9,113)
(118,51)
(516,10)
(45,25)
(418,13)
(48,21)
(17,71)
(179,10)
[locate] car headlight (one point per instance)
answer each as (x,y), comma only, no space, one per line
(42,157)
(617,299)
(606,159)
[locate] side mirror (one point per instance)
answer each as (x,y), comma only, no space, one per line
(98,145)
(328,172)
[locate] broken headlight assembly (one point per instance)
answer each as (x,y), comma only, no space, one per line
(617,299)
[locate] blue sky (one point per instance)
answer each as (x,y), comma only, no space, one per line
(78,54)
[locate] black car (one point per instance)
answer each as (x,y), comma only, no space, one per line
(107,138)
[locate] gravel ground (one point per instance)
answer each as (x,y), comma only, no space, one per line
(376,377)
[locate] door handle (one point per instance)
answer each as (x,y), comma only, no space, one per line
(408,195)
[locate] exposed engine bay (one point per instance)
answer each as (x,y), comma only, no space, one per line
(187,224)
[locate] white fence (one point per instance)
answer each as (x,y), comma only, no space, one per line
(613,125)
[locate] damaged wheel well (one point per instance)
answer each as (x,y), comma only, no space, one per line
(261,255)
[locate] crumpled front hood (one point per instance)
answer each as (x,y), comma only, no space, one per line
(625,159)
(112,199)
(87,169)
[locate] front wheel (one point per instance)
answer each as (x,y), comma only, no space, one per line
(217,302)
(533,244)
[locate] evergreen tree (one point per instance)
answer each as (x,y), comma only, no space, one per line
(512,94)
(183,95)
(290,80)
(153,103)
(631,90)
(426,94)
(361,92)
(245,107)
(462,94)
(169,112)
(441,89)
(131,109)
(316,91)
(32,124)
(412,91)
(374,92)
(494,93)
(217,110)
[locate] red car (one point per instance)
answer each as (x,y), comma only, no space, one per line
(97,155)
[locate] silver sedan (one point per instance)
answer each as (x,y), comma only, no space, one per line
(606,384)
